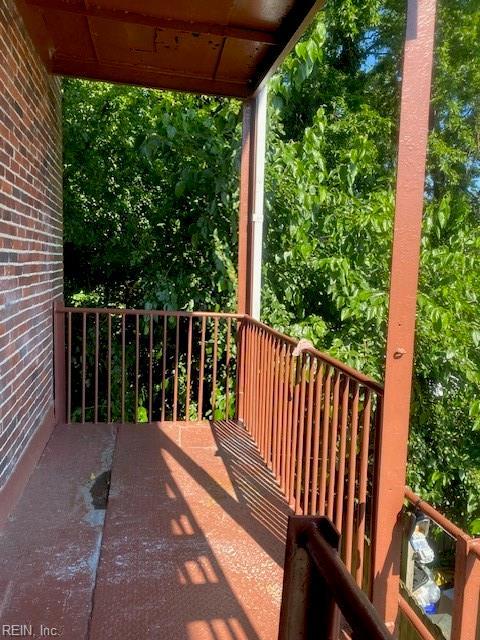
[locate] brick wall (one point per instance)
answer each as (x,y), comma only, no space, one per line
(30,235)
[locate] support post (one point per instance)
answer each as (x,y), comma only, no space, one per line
(258,200)
(466,603)
(394,425)
(244,232)
(250,228)
(59,361)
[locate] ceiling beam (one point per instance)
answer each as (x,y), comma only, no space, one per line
(132,74)
(132,17)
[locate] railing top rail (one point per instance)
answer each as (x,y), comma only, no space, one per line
(150,312)
(349,371)
(440,519)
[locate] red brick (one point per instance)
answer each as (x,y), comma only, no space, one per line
(30,232)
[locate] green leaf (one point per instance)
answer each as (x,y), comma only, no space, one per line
(475,527)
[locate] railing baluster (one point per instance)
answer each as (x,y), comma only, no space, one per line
(202,369)
(362,484)
(150,370)
(308,436)
(69,365)
(214,370)
(267,420)
(175,370)
(109,371)
(340,480)
(297,367)
(257,387)
(316,436)
(84,361)
(278,410)
(123,369)
(260,389)
(269,403)
(262,379)
(281,410)
(227,369)
(274,404)
(241,380)
(251,377)
(300,437)
(244,392)
(352,467)
(137,364)
(287,414)
(325,442)
(164,365)
(97,345)
(255,378)
(333,445)
(189,370)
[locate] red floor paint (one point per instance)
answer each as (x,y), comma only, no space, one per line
(49,548)
(192,546)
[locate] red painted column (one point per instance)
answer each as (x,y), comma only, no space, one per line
(244,221)
(394,424)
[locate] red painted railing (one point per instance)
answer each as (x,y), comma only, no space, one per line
(314,421)
(126,365)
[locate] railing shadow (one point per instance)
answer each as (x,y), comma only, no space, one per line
(260,508)
(160,558)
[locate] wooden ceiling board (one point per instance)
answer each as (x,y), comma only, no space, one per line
(70,34)
(216,11)
(158,49)
(240,59)
(260,14)
(227,47)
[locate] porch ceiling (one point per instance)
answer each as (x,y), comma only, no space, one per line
(225,47)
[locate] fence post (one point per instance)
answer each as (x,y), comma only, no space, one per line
(308,609)
(466,590)
(59,361)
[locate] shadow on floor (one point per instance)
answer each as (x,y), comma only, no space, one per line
(194,538)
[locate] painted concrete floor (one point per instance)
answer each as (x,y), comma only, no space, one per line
(190,545)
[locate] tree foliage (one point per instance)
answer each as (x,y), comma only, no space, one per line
(150,196)
(151,208)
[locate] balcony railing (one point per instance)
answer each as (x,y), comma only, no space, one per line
(127,365)
(315,420)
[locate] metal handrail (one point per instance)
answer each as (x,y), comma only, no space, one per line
(151,312)
(367,381)
(443,522)
(316,582)
(188,383)
(314,421)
